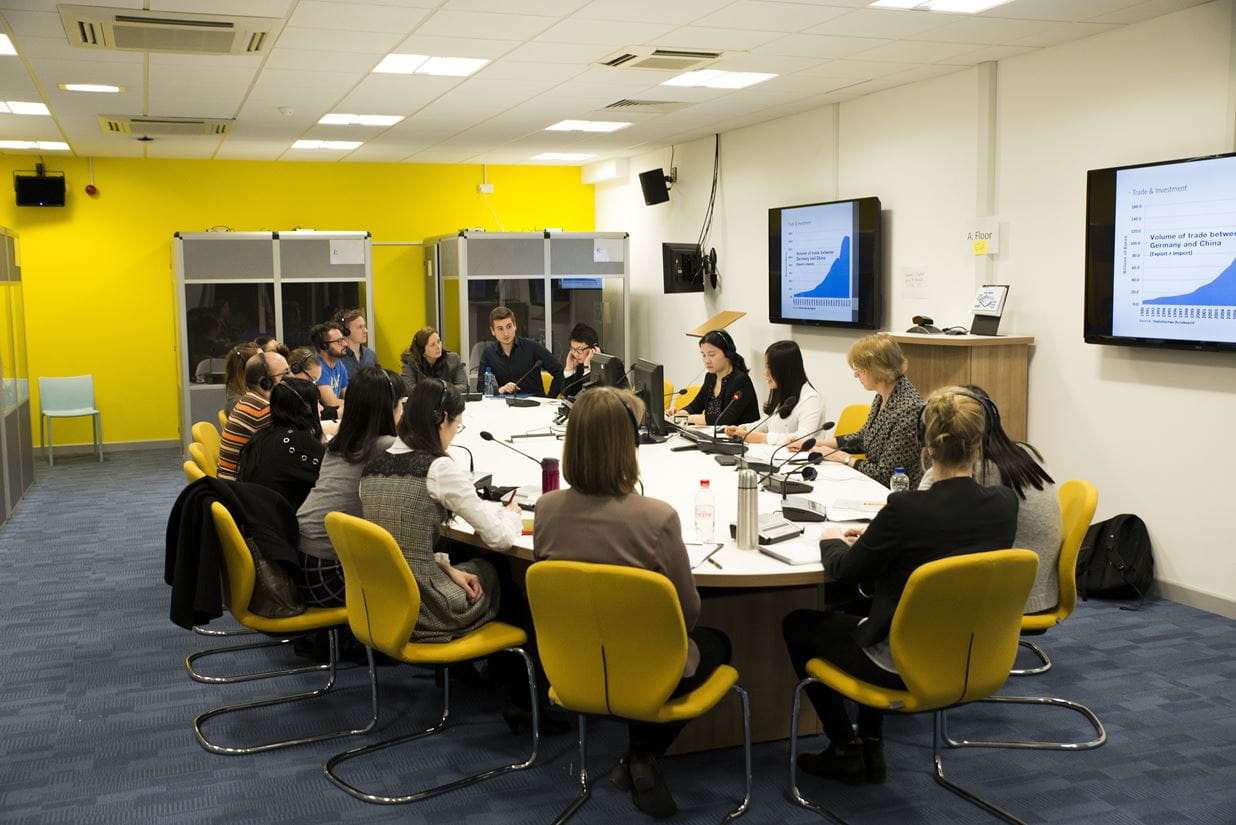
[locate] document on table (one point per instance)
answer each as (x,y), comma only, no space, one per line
(697,552)
(852,509)
(803,550)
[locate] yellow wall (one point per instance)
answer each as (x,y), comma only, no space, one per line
(98,273)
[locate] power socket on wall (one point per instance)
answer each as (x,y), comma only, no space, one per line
(485,188)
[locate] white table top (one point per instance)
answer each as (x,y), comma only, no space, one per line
(671,476)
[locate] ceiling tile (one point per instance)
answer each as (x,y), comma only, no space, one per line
(859,69)
(755,15)
(679,12)
(761,62)
(913,51)
(1055,33)
(985,31)
(395,94)
(182,147)
(356,17)
(250,8)
(35,24)
(546,7)
(329,40)
(15,83)
(880,23)
(615,34)
(1058,9)
(233,149)
(58,48)
(483,25)
(1145,11)
(455,46)
(303,59)
(506,69)
(712,38)
(23,127)
(820,46)
(559,53)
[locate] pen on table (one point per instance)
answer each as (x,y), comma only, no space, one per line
(714,563)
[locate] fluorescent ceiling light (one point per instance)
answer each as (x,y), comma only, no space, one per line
(6,45)
(335,119)
(716,79)
(957,6)
(326,144)
(562,156)
(45,145)
(587,126)
(424,64)
(22,107)
(91,87)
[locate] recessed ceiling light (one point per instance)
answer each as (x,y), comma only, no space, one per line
(44,145)
(326,144)
(587,126)
(91,87)
(562,156)
(336,119)
(716,79)
(424,64)
(22,107)
(959,6)
(6,45)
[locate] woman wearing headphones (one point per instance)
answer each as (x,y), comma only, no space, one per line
(287,455)
(366,431)
(727,395)
(601,518)
(956,516)
(787,380)
(427,357)
(234,374)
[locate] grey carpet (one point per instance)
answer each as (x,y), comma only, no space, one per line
(95,709)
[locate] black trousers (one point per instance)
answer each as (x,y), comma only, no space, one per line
(715,651)
(812,634)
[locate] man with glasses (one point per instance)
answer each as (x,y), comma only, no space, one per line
(252,412)
(584,343)
(328,340)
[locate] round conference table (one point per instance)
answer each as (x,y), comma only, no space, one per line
(745,594)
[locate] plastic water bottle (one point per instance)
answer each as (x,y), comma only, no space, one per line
(491,384)
(899,482)
(705,513)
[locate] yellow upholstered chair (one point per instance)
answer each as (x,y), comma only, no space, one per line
(198,454)
(613,642)
(193,472)
(953,639)
(222,419)
(852,419)
(688,396)
(384,601)
(204,433)
(1078,501)
(546,381)
(239,578)
(667,395)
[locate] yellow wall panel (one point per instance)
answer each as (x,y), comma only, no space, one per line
(99,286)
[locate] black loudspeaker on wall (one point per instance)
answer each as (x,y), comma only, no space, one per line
(655,184)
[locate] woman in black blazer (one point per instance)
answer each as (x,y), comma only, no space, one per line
(727,395)
(913,528)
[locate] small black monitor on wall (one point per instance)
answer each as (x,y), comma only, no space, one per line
(39,190)
(653,182)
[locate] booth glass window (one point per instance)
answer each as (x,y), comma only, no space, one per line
(523,296)
(220,316)
(307,304)
(592,300)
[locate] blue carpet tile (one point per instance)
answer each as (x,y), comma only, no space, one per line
(95,710)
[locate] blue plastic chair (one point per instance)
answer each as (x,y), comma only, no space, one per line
(71,397)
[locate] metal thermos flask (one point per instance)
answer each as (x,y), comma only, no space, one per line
(748,510)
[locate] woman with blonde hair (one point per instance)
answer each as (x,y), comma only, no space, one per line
(234,374)
(956,516)
(602,519)
(888,436)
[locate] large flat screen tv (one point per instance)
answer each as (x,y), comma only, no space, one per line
(824,264)
(1161,254)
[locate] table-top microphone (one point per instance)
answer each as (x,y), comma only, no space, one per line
(784,410)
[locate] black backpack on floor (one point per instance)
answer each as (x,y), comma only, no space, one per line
(1115,561)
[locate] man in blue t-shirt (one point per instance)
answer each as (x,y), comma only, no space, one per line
(328,340)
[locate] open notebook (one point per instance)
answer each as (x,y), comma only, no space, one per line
(802,550)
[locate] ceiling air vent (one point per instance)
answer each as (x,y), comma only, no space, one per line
(136,125)
(134,30)
(664,60)
(650,107)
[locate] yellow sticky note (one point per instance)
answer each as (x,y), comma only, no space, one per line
(980,247)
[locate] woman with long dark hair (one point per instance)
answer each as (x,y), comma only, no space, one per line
(367,429)
(1019,466)
(287,455)
(727,395)
(426,357)
(787,380)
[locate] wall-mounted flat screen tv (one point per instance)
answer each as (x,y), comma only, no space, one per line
(824,264)
(1161,254)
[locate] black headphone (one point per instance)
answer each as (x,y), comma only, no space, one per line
(298,366)
(728,347)
(991,416)
(634,422)
(266,382)
(439,411)
(309,409)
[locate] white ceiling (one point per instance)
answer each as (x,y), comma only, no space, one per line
(543,70)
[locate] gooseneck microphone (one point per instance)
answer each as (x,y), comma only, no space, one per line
(486,435)
(683,391)
(734,399)
(517,381)
(783,410)
(804,447)
(471,460)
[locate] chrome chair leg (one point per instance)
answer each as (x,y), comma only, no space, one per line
(794,792)
(379,799)
(1034,744)
(1037,651)
(584,790)
(196,676)
(279,700)
(936,730)
(202,630)
(746,752)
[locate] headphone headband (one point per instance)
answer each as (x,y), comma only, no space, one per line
(266,382)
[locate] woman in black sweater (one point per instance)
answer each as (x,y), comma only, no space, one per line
(956,516)
(727,395)
(287,455)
